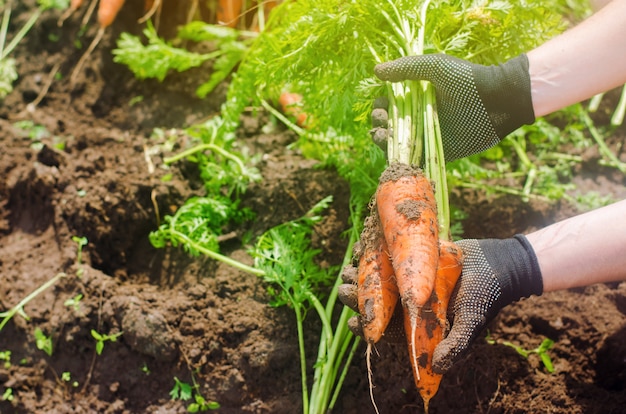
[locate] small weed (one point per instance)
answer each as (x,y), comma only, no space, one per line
(67,377)
(7,395)
(181,390)
(145,369)
(6,357)
(74,302)
(541,351)
(80,243)
(43,342)
(102,338)
(184,391)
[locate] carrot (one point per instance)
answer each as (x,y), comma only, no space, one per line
(378,291)
(108,11)
(377,288)
(106,15)
(291,104)
(408,213)
(432,323)
(228,12)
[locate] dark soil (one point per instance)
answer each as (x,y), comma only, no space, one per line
(180,315)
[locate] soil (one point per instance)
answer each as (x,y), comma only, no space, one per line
(180,315)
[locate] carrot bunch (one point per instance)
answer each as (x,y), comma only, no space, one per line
(403,257)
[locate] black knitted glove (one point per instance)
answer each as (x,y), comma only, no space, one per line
(477,105)
(495,274)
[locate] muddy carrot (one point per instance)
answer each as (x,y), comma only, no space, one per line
(408,214)
(377,288)
(432,323)
(378,292)
(406,205)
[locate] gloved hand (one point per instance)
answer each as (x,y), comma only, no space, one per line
(477,105)
(495,274)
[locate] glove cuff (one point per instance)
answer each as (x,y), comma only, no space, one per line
(505,92)
(515,265)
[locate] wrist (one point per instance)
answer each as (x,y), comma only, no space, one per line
(515,264)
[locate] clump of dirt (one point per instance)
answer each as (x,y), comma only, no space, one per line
(179,315)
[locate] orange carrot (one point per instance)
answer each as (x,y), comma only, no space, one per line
(291,104)
(229,11)
(377,288)
(432,323)
(378,291)
(108,11)
(408,213)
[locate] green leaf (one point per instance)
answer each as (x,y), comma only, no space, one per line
(8,75)
(157,58)
(43,342)
(99,347)
(285,255)
(96,335)
(53,4)
(547,362)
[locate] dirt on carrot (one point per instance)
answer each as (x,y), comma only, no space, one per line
(432,325)
(408,213)
(378,290)
(400,245)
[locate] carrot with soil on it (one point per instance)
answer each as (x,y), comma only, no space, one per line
(408,213)
(107,12)
(377,288)
(432,325)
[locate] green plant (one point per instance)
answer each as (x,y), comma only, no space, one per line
(6,357)
(541,351)
(145,369)
(43,342)
(8,395)
(184,391)
(336,45)
(19,308)
(102,338)
(80,242)
(66,376)
(74,302)
(226,175)
(158,57)
(8,71)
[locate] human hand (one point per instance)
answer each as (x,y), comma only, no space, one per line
(477,105)
(495,274)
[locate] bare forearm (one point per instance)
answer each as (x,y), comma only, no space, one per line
(583,250)
(582,62)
